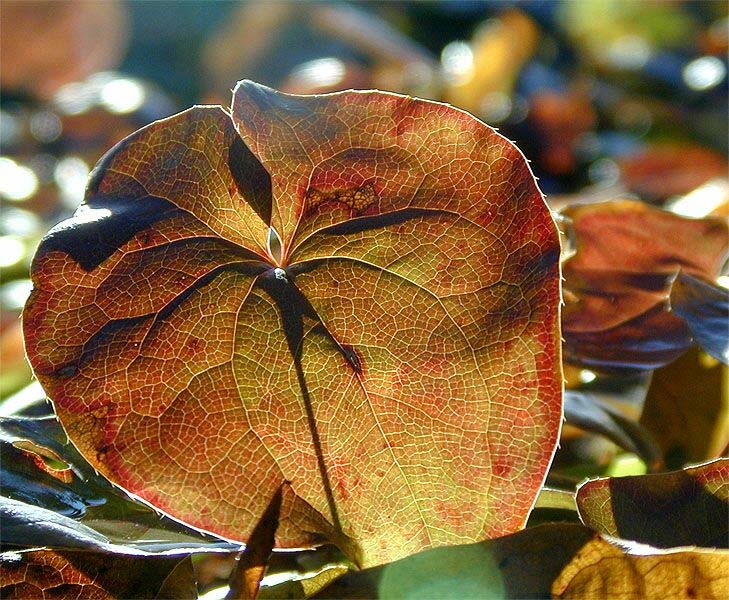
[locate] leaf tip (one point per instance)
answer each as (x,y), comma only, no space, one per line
(250,94)
(259,94)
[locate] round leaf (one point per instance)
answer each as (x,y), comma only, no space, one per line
(357,293)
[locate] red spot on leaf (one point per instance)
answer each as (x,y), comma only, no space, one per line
(502,467)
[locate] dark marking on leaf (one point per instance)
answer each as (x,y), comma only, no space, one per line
(102,451)
(358,199)
(251,178)
(352,357)
(90,243)
(102,338)
(67,371)
(381,221)
(293,307)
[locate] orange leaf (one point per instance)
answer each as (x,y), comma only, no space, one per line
(356,292)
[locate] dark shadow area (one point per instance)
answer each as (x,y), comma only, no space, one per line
(675,511)
(294,308)
(589,413)
(251,178)
(102,338)
(381,221)
(491,569)
(90,243)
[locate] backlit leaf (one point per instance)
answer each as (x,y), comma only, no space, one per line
(679,508)
(81,574)
(618,282)
(356,292)
(80,496)
(686,409)
(604,570)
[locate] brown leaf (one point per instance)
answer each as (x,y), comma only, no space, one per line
(85,574)
(617,284)
(687,409)
(603,570)
(355,292)
(666,170)
(679,508)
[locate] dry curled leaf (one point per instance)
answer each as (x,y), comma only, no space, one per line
(617,284)
(355,292)
(678,508)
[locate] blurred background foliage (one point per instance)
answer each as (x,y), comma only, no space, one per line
(608,99)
